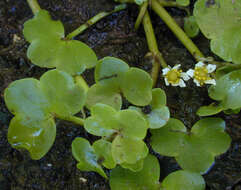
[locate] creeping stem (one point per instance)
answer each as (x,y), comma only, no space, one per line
(73,119)
(152,44)
(33,4)
(181,35)
(93,20)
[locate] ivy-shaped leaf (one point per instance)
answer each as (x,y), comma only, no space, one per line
(183,180)
(194,151)
(147,178)
(223,29)
(114,77)
(127,128)
(228,90)
(86,156)
(50,49)
(35,104)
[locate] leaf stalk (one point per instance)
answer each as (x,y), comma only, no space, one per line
(33,4)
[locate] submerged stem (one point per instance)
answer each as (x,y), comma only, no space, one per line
(33,4)
(180,34)
(94,20)
(152,44)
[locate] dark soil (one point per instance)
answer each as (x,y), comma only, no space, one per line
(113,36)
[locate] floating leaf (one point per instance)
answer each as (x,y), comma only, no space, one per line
(86,156)
(183,180)
(228,90)
(35,103)
(223,29)
(127,145)
(35,136)
(99,93)
(194,151)
(136,86)
(190,26)
(134,167)
(147,178)
(50,49)
(211,109)
(226,69)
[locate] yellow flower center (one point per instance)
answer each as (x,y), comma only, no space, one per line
(173,76)
(201,75)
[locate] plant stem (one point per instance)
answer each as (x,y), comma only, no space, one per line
(73,119)
(152,44)
(33,4)
(180,34)
(143,9)
(93,20)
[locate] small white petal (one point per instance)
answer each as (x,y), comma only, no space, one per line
(212,81)
(199,64)
(190,72)
(185,76)
(177,66)
(165,70)
(166,82)
(182,83)
(211,68)
(177,84)
(196,82)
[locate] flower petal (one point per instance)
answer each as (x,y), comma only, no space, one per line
(185,76)
(182,83)
(211,68)
(199,64)
(190,72)
(165,70)
(211,81)
(166,81)
(177,66)
(196,82)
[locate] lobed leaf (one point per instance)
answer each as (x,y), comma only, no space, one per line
(147,178)
(195,151)
(183,180)
(86,156)
(211,109)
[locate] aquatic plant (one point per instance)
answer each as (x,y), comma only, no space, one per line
(61,93)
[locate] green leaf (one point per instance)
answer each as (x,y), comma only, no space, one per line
(133,167)
(211,109)
(226,69)
(41,23)
(147,178)
(102,121)
(128,150)
(228,90)
(159,98)
(183,2)
(65,96)
(230,111)
(24,97)
(35,136)
(183,180)
(99,93)
(50,49)
(109,69)
(194,151)
(103,150)
(136,86)
(223,29)
(190,26)
(86,156)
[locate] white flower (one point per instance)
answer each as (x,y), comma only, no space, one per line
(175,76)
(201,74)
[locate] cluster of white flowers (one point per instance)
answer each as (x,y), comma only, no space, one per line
(201,75)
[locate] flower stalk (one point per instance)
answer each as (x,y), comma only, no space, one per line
(152,44)
(180,34)
(33,4)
